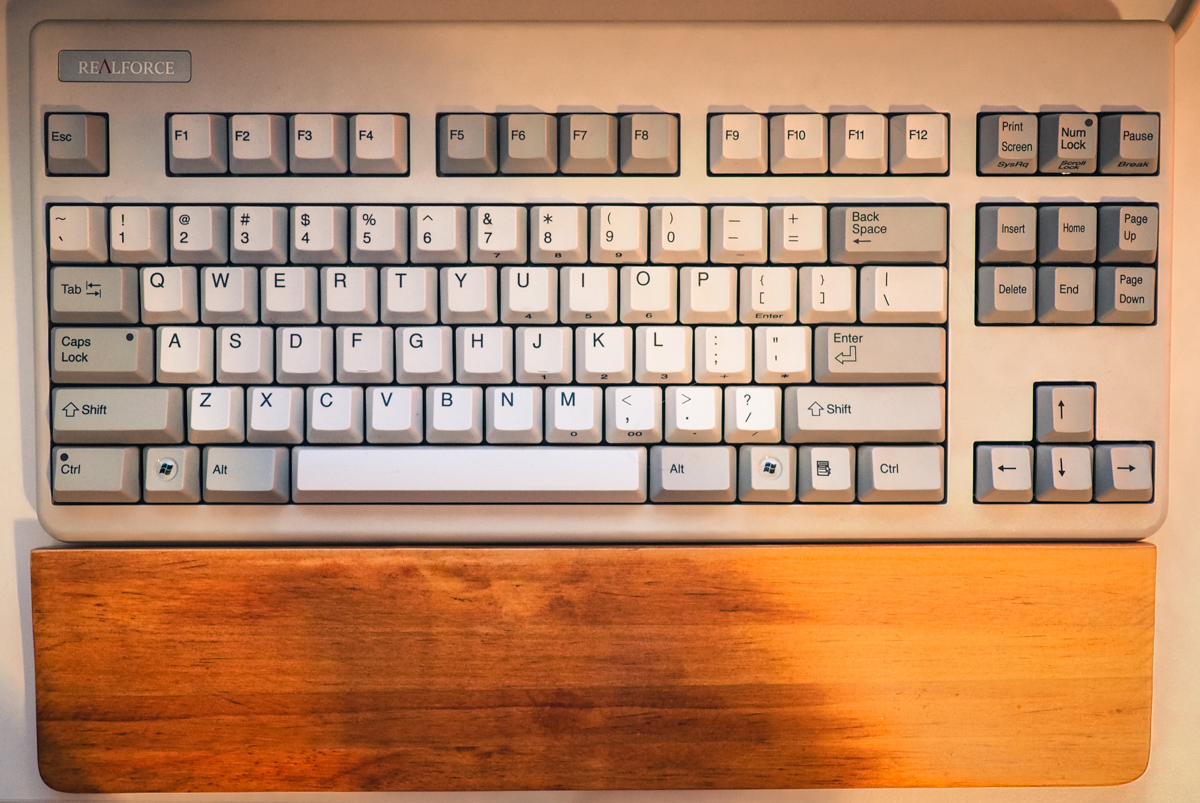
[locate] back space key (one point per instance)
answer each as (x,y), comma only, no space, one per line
(889,234)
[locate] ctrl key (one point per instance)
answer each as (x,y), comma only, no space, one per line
(95,475)
(247,475)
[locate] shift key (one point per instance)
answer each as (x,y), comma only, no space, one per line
(888,234)
(879,354)
(102,355)
(118,415)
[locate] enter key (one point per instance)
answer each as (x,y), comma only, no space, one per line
(879,354)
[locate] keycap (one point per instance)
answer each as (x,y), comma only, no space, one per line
(1124,472)
(77,234)
(574,414)
(864,414)
(1125,295)
(1067,233)
(722,354)
(257,144)
(108,355)
(424,355)
(633,414)
(335,415)
(618,234)
(828,294)
(903,234)
(767,474)
(528,143)
(197,144)
(902,294)
(797,234)
(738,235)
(349,295)
(693,414)
(1066,295)
(1008,144)
(364,354)
(649,294)
(216,415)
(544,354)
(1068,143)
(185,355)
(604,354)
(919,143)
(275,415)
(169,295)
(138,234)
(693,473)
(229,295)
(781,354)
(318,235)
(768,295)
(76,145)
(318,143)
(1128,234)
(528,295)
(900,474)
(289,295)
(259,236)
(1129,143)
(171,475)
(246,474)
(199,235)
(117,415)
(484,355)
(678,234)
(498,235)
(468,295)
(737,143)
(469,474)
(558,234)
(588,295)
(395,415)
(304,355)
(708,295)
(858,143)
(379,235)
(1064,413)
(587,143)
(825,474)
(663,354)
(408,295)
(94,295)
(513,415)
(1003,473)
(1007,295)
(752,414)
(879,354)
(649,143)
(91,475)
(454,414)
(799,144)
(438,234)
(467,144)
(1008,234)
(1064,474)
(245,355)
(379,144)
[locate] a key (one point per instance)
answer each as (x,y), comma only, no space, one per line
(1124,472)
(318,143)
(649,144)
(723,354)
(438,235)
(304,355)
(528,143)
(901,474)
(1064,413)
(574,414)
(828,294)
(259,235)
(708,295)
(752,414)
(902,294)
(469,295)
(879,354)
(379,144)
(379,235)
(216,415)
(799,144)
(257,144)
(1003,473)
(138,234)
(91,475)
(1008,144)
(738,235)
(693,414)
(395,415)
(1129,143)
(781,354)
(882,414)
(587,144)
(768,295)
(1128,234)
(1064,474)
(364,354)
(197,144)
(170,295)
(558,235)
(229,295)
(678,234)
(199,235)
(117,415)
(258,475)
(77,234)
(245,355)
(319,235)
(454,414)
(289,295)
(767,474)
(1067,233)
(349,295)
(408,295)
(528,295)
(737,144)
(424,355)
(76,144)
(513,415)
(485,355)
(858,144)
(1066,295)
(663,354)
(94,295)
(589,295)
(649,294)
(797,234)
(544,355)
(1007,295)
(901,234)
(185,355)
(498,235)
(604,354)
(825,474)
(919,143)
(1125,295)
(618,234)
(108,355)
(632,415)
(1008,234)
(693,474)
(275,415)
(1068,143)
(467,144)
(335,415)
(171,475)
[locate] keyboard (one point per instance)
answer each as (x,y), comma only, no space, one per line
(576,282)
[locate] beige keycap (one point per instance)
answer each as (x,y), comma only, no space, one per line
(76,144)
(588,294)
(587,143)
(858,143)
(424,355)
(246,475)
(799,144)
(544,355)
(318,235)
(170,295)
(633,415)
(200,235)
(708,295)
(663,355)
(558,235)
(678,234)
(1066,295)
(94,295)
(259,235)
(879,354)
(258,144)
(767,474)
(919,143)
(318,143)
(77,234)
(513,415)
(1125,295)
(289,295)
(197,144)
(723,354)
(619,234)
(467,144)
(117,415)
(1128,234)
(768,295)
(1003,473)
(828,294)
(1064,474)
(379,235)
(171,475)
(275,415)
(95,475)
(901,474)
(304,355)
(395,415)
(798,234)
(738,235)
(1124,472)
(737,143)
(1064,413)
(909,294)
(752,414)
(897,234)
(408,295)
(438,235)
(693,474)
(693,414)
(649,294)
(379,144)
(649,144)
(498,235)
(245,355)
(102,355)
(484,355)
(1067,234)
(138,234)
(364,354)
(1129,143)
(882,414)
(529,295)
(1068,143)
(825,474)
(574,415)
(781,354)
(1007,295)
(528,143)
(1008,144)
(1008,234)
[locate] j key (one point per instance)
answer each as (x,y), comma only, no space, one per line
(545,355)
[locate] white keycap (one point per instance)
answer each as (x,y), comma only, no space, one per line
(257,144)
(723,354)
(902,295)
(767,474)
(484,354)
(604,354)
(379,144)
(185,355)
(799,144)
(781,354)
(544,355)
(335,415)
(827,294)
(454,414)
(825,474)
(619,234)
(513,415)
(737,144)
(469,295)
(798,234)
(197,144)
(424,355)
(229,295)
(901,474)
(739,235)
(319,235)
(289,295)
(498,235)
(379,235)
(77,234)
(437,235)
(693,414)
(558,235)
(395,415)
(633,414)
(663,354)
(318,143)
(138,234)
(1003,473)
(245,355)
(216,415)
(648,294)
(752,414)
(349,295)
(275,415)
(199,234)
(708,295)
(408,295)
(259,235)
(573,414)
(529,295)
(678,234)
(170,295)
(1064,474)
(768,295)
(304,355)
(589,295)
(858,143)
(919,143)
(364,354)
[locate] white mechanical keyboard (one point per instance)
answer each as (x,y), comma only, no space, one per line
(601,282)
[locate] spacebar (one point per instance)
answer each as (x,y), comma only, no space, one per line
(491,474)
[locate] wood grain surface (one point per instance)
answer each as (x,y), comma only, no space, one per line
(168,670)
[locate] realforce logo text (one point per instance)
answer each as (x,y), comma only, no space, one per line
(144,66)
(126,67)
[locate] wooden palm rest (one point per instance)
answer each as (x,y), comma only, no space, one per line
(222,670)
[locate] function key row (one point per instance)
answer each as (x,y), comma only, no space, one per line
(1068,144)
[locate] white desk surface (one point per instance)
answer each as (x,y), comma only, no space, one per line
(1174,771)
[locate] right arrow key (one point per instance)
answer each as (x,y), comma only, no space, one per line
(1124,472)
